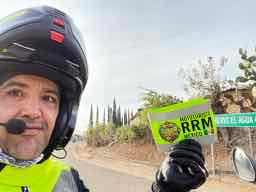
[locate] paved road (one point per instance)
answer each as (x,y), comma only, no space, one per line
(125,179)
(100,179)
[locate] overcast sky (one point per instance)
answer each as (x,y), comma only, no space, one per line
(133,43)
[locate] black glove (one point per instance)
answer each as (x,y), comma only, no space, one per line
(182,170)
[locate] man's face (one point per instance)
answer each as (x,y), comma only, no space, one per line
(35,100)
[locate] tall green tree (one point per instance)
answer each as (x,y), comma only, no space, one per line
(97,116)
(91,118)
(109,115)
(119,116)
(103,119)
(114,116)
(122,120)
(125,117)
(128,117)
(132,116)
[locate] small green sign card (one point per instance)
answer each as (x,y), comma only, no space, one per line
(174,123)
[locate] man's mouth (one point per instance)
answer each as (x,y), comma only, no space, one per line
(33,129)
(37,128)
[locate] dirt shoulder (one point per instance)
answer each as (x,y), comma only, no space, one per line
(116,158)
(142,160)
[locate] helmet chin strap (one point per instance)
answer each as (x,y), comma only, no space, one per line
(11,161)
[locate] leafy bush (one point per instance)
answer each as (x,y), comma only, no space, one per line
(99,135)
(124,134)
(129,134)
(139,131)
(121,134)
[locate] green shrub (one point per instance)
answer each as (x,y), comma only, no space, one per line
(131,135)
(99,136)
(121,134)
(125,134)
(139,131)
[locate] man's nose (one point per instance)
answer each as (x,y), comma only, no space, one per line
(31,109)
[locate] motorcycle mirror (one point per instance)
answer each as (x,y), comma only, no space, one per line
(244,166)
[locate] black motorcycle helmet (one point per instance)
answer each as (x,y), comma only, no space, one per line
(44,41)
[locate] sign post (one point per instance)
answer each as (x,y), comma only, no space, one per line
(250,141)
(238,120)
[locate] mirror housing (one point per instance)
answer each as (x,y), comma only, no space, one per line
(243,165)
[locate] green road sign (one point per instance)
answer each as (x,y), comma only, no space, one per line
(236,120)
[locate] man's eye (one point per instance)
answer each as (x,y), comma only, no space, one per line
(50,99)
(15,93)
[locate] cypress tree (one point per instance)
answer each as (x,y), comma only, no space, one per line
(91,118)
(108,114)
(114,119)
(119,116)
(125,117)
(104,120)
(122,120)
(128,117)
(97,116)
(132,115)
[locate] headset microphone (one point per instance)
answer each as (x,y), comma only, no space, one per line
(15,126)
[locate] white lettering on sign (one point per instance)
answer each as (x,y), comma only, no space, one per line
(245,119)
(236,120)
(233,120)
(227,120)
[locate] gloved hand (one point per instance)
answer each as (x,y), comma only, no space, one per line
(182,170)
